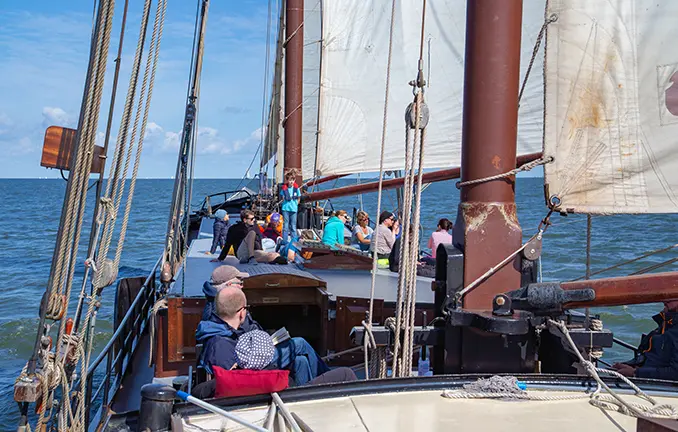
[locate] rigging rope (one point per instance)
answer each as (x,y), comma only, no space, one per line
(525,167)
(416,118)
(645,255)
(368,328)
(66,248)
(615,402)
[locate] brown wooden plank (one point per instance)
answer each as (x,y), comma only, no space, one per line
(183,314)
(267,281)
(163,367)
(351,312)
(287,296)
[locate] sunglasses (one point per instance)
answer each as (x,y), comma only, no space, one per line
(246,307)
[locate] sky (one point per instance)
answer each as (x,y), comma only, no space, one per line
(44,47)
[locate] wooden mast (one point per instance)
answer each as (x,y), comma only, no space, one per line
(487,222)
(294,69)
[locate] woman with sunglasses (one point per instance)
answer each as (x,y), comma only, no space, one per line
(362,233)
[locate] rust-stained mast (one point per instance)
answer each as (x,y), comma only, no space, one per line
(487,223)
(294,70)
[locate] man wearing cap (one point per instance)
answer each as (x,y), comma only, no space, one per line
(385,235)
(222,277)
(657,354)
(229,321)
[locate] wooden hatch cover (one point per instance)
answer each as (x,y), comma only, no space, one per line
(266,285)
(57,150)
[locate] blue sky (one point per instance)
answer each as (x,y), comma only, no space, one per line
(44,46)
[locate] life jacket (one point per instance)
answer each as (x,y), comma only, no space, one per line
(290,196)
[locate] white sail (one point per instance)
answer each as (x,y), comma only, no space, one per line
(612,106)
(273,138)
(355,49)
(311,86)
(274,148)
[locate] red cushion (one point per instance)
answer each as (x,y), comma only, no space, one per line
(243,382)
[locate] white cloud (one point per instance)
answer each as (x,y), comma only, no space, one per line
(55,116)
(5,120)
(254,138)
(5,123)
(207,132)
(23,146)
(171,142)
(153,130)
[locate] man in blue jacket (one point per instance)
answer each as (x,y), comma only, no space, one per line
(230,319)
(657,356)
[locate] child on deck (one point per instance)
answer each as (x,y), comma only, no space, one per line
(219,230)
(272,230)
(291,196)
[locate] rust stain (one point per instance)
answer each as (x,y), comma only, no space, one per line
(589,110)
(496,162)
(476,215)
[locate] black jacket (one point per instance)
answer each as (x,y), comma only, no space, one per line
(236,234)
(658,356)
(220,231)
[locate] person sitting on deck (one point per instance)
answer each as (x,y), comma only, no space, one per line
(245,238)
(255,351)
(657,354)
(440,236)
(219,230)
(424,268)
(222,276)
(384,236)
(334,229)
(219,335)
(362,233)
(274,228)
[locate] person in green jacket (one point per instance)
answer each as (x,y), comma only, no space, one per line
(334,229)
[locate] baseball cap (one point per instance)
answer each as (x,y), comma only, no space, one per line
(385,215)
(226,273)
(275,217)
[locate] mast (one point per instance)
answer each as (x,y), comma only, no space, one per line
(294,69)
(487,223)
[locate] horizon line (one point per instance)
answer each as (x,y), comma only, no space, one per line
(197,178)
